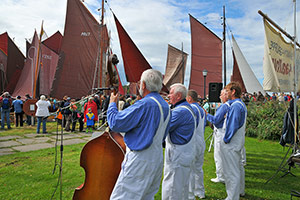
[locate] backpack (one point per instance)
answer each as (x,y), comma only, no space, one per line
(5,103)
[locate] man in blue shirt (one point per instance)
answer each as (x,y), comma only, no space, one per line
(233,143)
(180,146)
(196,185)
(146,124)
(18,107)
(219,131)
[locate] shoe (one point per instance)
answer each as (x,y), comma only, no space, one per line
(202,197)
(242,195)
(45,132)
(216,180)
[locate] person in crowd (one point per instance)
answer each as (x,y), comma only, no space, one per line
(90,120)
(80,112)
(274,96)
(281,98)
(98,103)
(196,185)
(219,131)
(91,104)
(28,117)
(260,97)
(127,103)
(67,114)
(105,104)
(74,117)
(233,143)
(5,105)
(145,124)
(18,107)
(180,145)
(121,102)
(42,113)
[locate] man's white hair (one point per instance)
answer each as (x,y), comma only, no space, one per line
(42,97)
(179,88)
(153,80)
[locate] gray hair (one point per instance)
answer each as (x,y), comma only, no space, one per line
(42,97)
(179,88)
(153,80)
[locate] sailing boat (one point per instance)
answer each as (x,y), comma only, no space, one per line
(79,56)
(175,67)
(39,68)
(206,54)
(11,63)
(242,71)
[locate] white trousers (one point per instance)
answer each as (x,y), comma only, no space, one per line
(196,185)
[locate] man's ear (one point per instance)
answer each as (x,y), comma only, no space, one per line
(143,85)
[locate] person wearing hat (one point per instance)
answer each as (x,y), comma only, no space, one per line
(42,113)
(5,105)
(18,107)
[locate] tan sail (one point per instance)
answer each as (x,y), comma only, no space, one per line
(175,68)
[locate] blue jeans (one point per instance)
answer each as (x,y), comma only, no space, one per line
(39,121)
(5,115)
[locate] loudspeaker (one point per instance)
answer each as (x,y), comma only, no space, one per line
(214,92)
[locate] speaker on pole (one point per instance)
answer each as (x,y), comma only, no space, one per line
(214,92)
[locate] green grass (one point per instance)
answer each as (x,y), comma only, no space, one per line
(29,175)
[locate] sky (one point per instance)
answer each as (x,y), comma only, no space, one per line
(153,24)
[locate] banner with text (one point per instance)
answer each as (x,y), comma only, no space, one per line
(278,65)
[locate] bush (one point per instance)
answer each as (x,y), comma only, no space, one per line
(265,121)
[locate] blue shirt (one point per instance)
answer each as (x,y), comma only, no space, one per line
(235,119)
(18,105)
(139,121)
(219,117)
(182,124)
(202,112)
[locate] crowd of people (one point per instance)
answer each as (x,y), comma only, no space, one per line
(72,114)
(150,123)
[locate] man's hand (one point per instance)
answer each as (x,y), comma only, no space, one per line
(114,97)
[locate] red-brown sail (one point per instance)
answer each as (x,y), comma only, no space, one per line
(54,42)
(25,83)
(80,46)
(134,61)
(11,63)
(175,68)
(236,74)
(206,54)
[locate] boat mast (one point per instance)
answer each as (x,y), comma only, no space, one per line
(224,46)
(182,61)
(37,63)
(100,84)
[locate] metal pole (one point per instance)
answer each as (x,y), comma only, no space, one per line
(204,87)
(224,47)
(295,79)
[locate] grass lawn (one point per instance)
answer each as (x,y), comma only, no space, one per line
(29,175)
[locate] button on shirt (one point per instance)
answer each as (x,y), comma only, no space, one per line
(235,118)
(182,124)
(219,117)
(139,121)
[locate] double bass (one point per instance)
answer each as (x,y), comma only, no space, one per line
(102,157)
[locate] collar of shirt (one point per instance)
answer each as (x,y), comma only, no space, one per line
(234,100)
(178,103)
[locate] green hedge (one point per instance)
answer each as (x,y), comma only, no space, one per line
(265,121)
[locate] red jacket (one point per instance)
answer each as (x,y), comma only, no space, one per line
(92,105)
